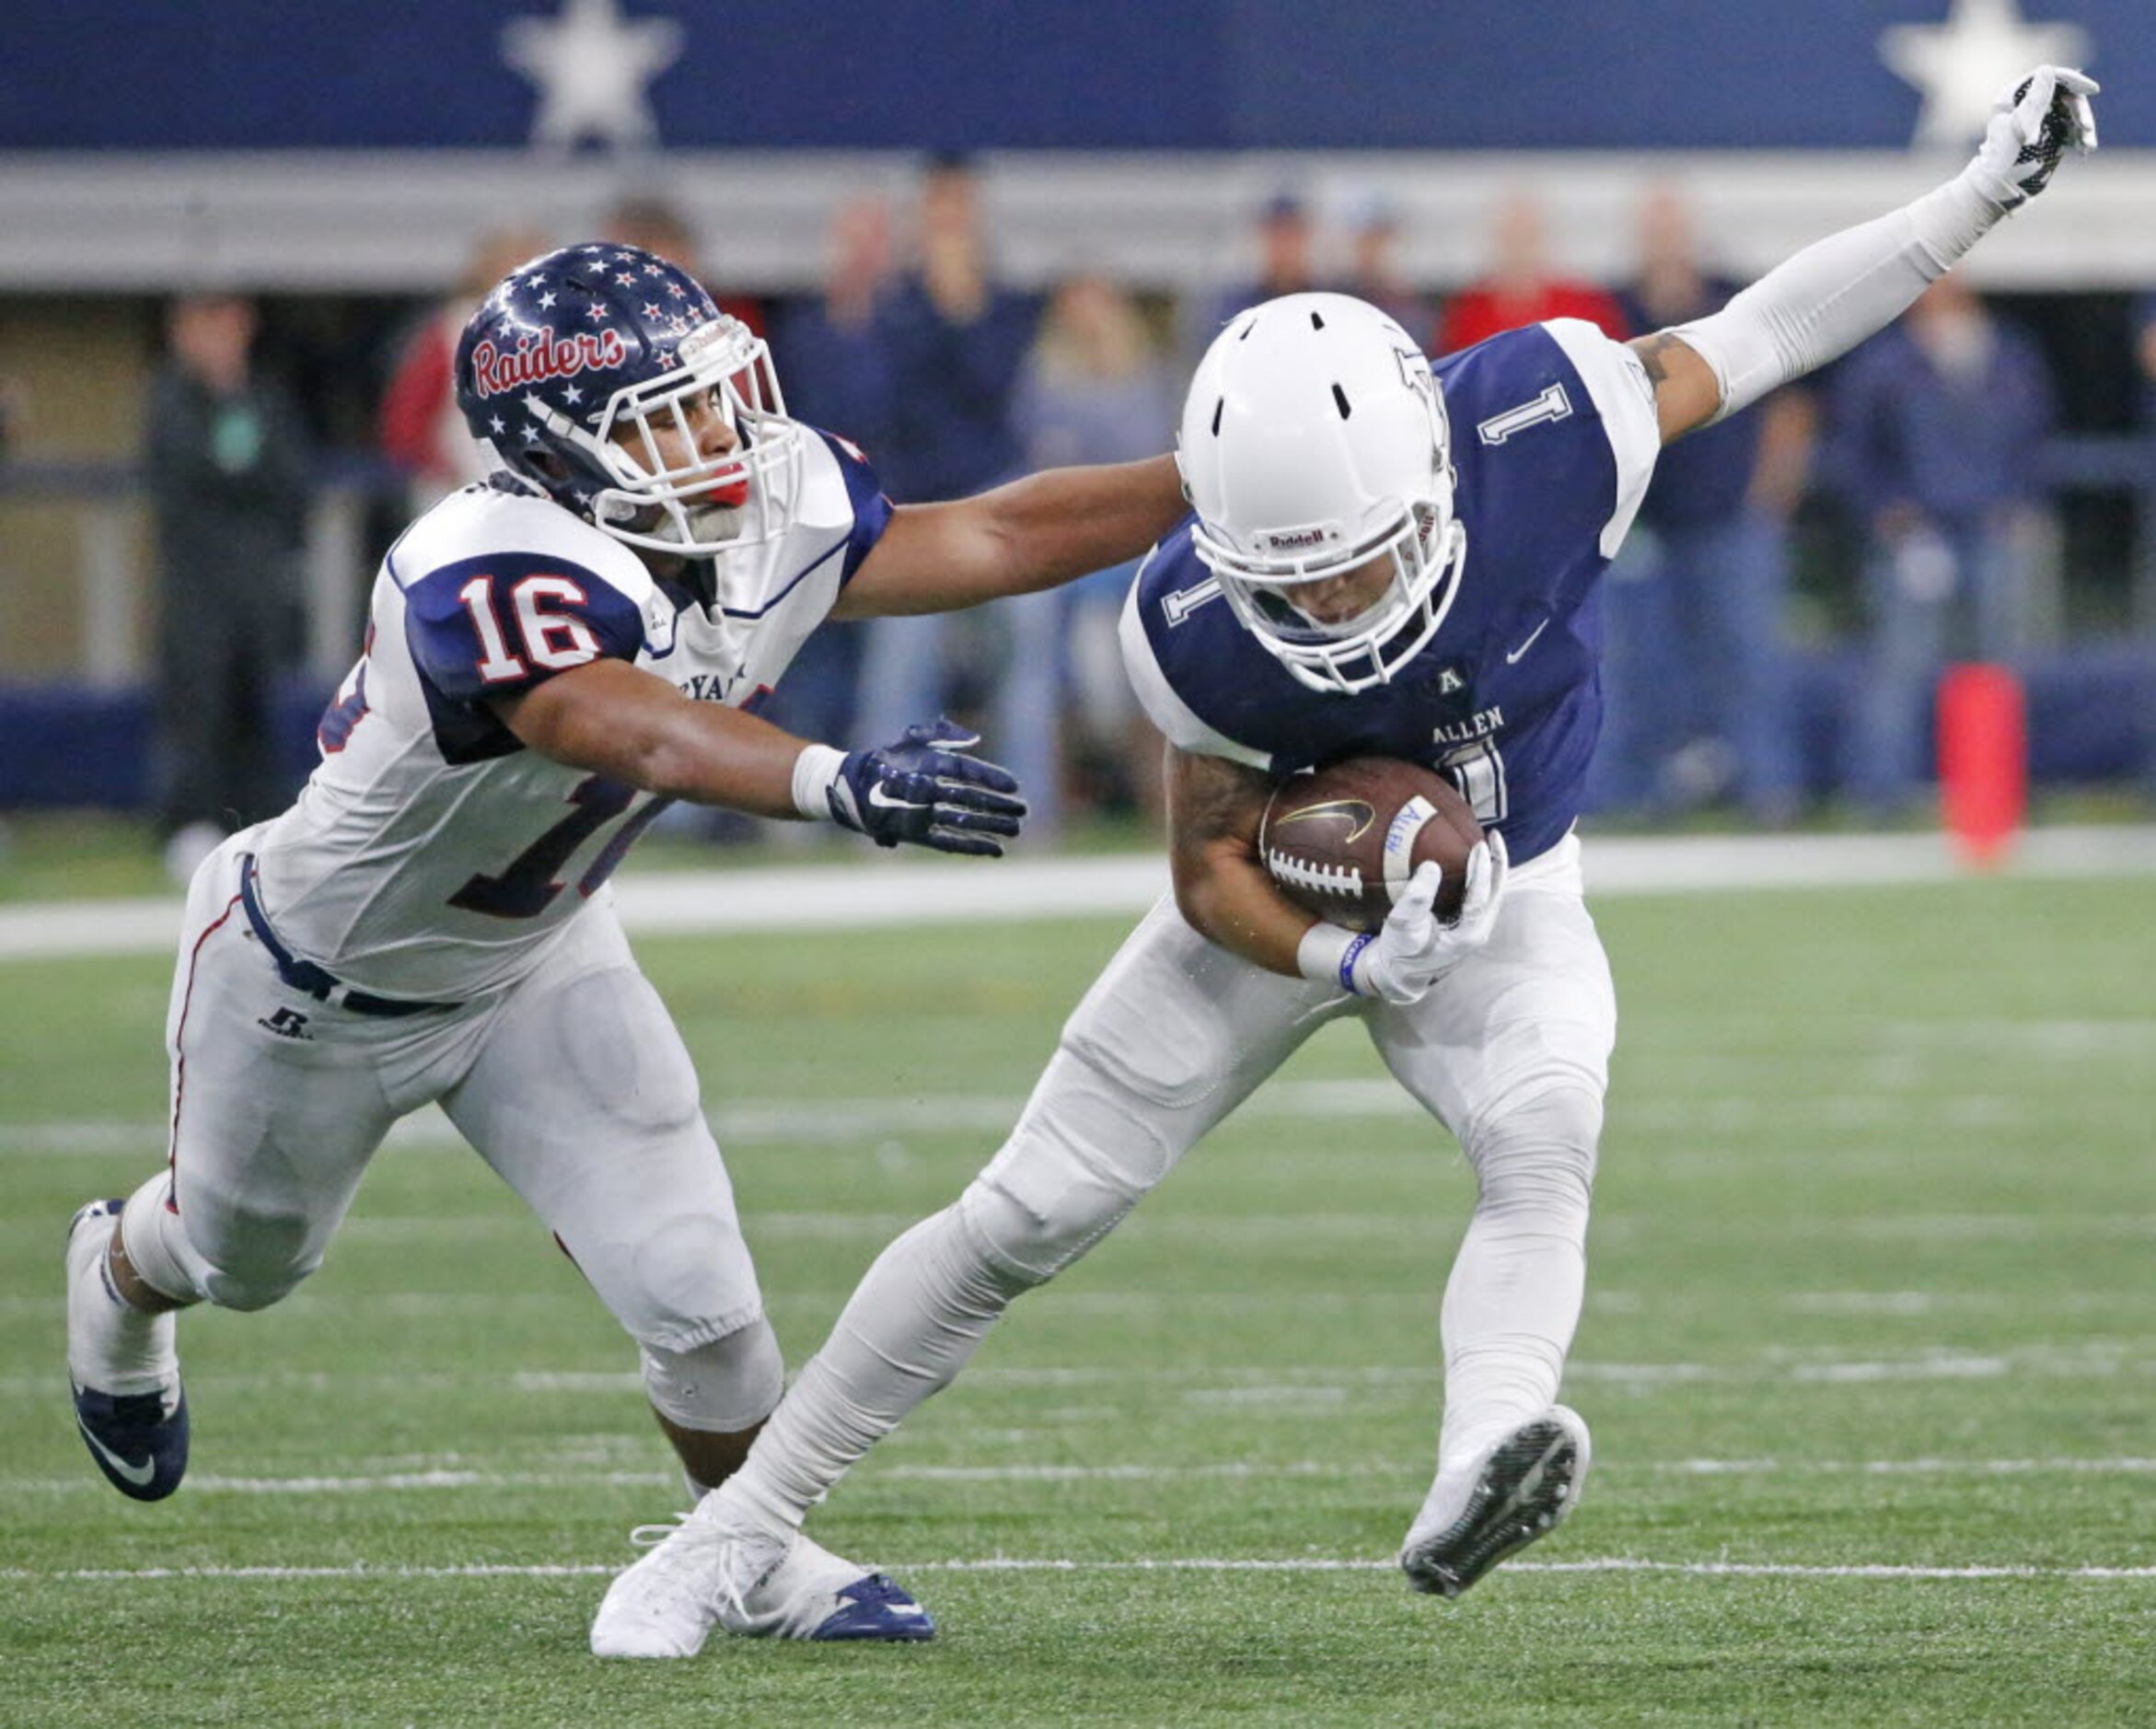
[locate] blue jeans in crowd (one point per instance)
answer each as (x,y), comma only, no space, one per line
(1947,590)
(1694,653)
(904,678)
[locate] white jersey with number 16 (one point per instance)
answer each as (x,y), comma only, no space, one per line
(431,855)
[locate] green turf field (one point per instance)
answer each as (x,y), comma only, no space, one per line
(1871,1289)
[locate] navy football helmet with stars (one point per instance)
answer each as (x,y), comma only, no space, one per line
(578,362)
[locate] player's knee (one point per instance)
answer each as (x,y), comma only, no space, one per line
(1064,1181)
(253,1255)
(1026,1236)
(1535,1152)
(260,1264)
(721,1386)
(689,1278)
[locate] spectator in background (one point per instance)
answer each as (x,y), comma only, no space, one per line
(2145,358)
(2145,526)
(837,376)
(1934,421)
(954,340)
(1286,243)
(1696,666)
(657,226)
(1374,270)
(1096,389)
(226,460)
(1521,286)
(418,428)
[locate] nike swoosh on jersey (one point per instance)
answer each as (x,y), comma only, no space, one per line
(134,1473)
(1513,659)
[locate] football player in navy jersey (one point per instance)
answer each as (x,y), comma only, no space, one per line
(1384,558)
(551,657)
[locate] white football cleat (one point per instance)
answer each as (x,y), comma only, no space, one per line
(1519,1489)
(712,1570)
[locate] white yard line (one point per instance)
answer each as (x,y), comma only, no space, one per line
(466,1480)
(1639,1107)
(1251,1384)
(909,891)
(1001,1564)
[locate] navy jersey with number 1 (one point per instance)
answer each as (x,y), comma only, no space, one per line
(1553,440)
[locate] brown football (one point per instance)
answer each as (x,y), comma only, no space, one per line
(1344,841)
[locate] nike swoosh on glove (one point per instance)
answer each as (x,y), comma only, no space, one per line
(2034,122)
(925,789)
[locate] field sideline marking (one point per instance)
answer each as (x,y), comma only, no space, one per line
(882,892)
(1612,1563)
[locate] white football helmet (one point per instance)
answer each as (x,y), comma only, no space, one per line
(1314,444)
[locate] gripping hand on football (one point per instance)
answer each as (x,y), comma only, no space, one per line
(1413,949)
(924,789)
(2034,122)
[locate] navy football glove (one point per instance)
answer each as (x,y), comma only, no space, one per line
(927,791)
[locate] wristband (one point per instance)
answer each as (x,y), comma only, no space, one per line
(816,770)
(1326,955)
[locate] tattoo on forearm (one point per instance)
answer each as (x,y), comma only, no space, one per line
(1215,800)
(1650,349)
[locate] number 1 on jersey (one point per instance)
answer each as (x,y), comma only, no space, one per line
(1479,770)
(527,886)
(496,665)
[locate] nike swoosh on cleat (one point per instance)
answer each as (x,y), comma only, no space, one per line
(136,1474)
(1513,659)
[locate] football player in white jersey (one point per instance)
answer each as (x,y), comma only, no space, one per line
(551,657)
(1360,577)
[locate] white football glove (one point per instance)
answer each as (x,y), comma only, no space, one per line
(1412,950)
(2036,120)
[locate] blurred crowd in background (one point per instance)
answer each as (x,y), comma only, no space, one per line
(1897,506)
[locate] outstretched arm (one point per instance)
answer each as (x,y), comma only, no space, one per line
(1048,528)
(1833,295)
(926,789)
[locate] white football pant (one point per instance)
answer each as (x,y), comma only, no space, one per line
(571,1083)
(1510,1052)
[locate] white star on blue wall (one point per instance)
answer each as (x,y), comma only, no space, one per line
(592,67)
(1963,64)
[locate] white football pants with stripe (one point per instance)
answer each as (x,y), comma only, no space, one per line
(571,1083)
(1510,1052)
